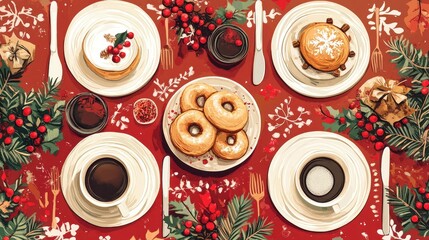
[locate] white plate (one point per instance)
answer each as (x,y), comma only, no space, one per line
(210,162)
(283,190)
(144,188)
(146,35)
(283,58)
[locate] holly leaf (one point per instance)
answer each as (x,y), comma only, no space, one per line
(242,5)
(184,209)
(176,227)
(51,147)
(332,111)
(120,38)
(240,17)
(417,18)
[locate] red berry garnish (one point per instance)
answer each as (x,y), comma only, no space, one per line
(211,27)
(422,190)
(404,121)
(219,21)
(116,59)
(426,206)
(166,12)
(189,7)
(5,238)
(425,83)
(373,119)
(214,236)
(195,46)
(209,10)
(427,196)
(186,232)
(379,146)
(7,141)
(352,105)
(198,32)
(380,132)
(167,3)
(415,219)
(198,228)
(37,141)
(365,134)
(115,51)
(342,120)
(372,138)
(11,117)
(419,205)
(1,135)
(33,135)
(201,23)
(10,130)
(369,127)
(188,224)
(397,124)
(30,149)
(122,54)
(196,19)
(175,9)
(109,49)
(204,219)
(212,207)
(127,44)
(180,3)
(238,43)
(187,30)
(130,35)
(217,213)
(184,17)
(358,115)
(229,15)
(16,199)
(186,40)
(9,192)
(120,46)
(203,40)
(425,91)
(185,25)
(41,129)
(212,217)
(179,13)
(26,111)
(47,118)
(361,123)
(210,226)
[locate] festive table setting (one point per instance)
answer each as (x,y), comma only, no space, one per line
(199,119)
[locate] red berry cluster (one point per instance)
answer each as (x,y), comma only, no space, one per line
(425,85)
(370,130)
(11,195)
(206,227)
(189,20)
(116,51)
(17,123)
(421,205)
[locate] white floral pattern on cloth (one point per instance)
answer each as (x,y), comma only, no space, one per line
(120,121)
(13,16)
(185,186)
(104,238)
(251,17)
(284,116)
(375,189)
(64,231)
(163,90)
(384,24)
(394,233)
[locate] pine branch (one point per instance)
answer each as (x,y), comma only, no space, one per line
(44,98)
(408,138)
(239,212)
(258,230)
(14,155)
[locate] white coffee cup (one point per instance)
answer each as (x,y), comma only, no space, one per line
(120,202)
(335,204)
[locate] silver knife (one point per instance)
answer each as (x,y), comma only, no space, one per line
(259,61)
(55,68)
(165,192)
(385,175)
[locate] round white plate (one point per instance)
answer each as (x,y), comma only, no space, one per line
(210,162)
(146,36)
(282,55)
(283,189)
(144,188)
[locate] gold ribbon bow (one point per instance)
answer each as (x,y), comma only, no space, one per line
(384,89)
(17,53)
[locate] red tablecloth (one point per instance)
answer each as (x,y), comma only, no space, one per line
(268,95)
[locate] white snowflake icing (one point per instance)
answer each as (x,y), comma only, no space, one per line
(251,17)
(66,231)
(326,42)
(384,24)
(18,16)
(185,186)
(394,233)
(283,115)
(123,121)
(165,89)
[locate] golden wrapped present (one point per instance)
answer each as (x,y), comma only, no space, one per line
(16,53)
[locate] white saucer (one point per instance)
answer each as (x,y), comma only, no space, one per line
(283,190)
(144,187)
(146,36)
(311,84)
(252,128)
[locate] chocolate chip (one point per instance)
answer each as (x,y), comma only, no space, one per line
(345,27)
(329,20)
(305,65)
(336,73)
(352,54)
(295,44)
(343,67)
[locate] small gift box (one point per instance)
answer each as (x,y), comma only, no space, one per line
(387,98)
(16,53)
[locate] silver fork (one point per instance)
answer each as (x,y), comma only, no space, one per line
(377,55)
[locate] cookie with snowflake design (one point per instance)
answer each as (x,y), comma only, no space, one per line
(325,47)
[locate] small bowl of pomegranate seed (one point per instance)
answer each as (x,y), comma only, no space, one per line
(145,111)
(228,45)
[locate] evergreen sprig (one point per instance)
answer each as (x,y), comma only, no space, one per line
(258,230)
(21,227)
(239,212)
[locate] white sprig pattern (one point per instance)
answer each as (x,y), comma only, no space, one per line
(66,231)
(165,89)
(283,115)
(18,16)
(123,121)
(326,42)
(384,24)
(185,186)
(394,233)
(251,17)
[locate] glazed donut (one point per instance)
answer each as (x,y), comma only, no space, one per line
(185,141)
(220,117)
(191,94)
(230,150)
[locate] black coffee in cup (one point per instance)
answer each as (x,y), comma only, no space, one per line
(106,179)
(322,179)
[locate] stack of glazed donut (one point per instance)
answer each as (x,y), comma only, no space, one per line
(218,118)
